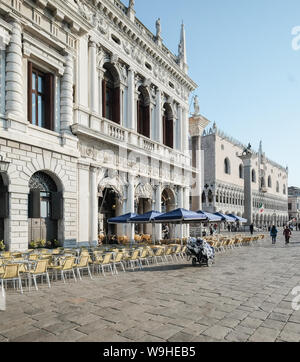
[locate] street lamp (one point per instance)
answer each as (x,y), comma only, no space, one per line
(3,165)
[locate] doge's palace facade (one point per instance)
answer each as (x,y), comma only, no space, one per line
(223,185)
(93,120)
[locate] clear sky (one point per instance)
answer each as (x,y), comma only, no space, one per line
(241,56)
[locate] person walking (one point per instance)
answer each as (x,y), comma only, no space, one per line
(273,234)
(287,234)
(251,229)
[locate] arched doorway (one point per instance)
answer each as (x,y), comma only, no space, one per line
(167,200)
(45,208)
(4,209)
(168,126)
(107,208)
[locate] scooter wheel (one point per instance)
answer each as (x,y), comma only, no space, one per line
(209,263)
(194,262)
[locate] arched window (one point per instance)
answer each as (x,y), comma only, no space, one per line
(227,166)
(262,182)
(168,137)
(110,94)
(203,198)
(269,181)
(241,171)
(210,197)
(253,176)
(277,186)
(284,189)
(42,188)
(143,113)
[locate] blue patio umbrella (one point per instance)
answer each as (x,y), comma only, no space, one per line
(180,216)
(210,217)
(123,219)
(146,218)
(238,218)
(225,217)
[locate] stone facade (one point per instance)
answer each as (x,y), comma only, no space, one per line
(76,43)
(223,187)
(294,204)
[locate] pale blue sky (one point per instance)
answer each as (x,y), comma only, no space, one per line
(240,54)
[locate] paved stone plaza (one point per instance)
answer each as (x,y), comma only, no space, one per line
(245,296)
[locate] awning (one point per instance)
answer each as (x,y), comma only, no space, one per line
(210,217)
(146,218)
(123,219)
(225,217)
(180,216)
(238,218)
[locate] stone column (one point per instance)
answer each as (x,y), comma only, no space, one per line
(66,103)
(93,92)
(94,207)
(16,226)
(131,104)
(158,192)
(159,126)
(185,131)
(246,157)
(122,89)
(130,204)
(100,78)
(180,205)
(14,75)
(186,205)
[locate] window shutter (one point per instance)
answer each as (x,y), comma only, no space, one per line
(49,101)
(29,92)
(56,205)
(116,105)
(4,203)
(103,98)
(34,204)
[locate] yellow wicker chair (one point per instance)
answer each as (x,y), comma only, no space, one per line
(134,260)
(118,261)
(83,264)
(40,269)
(11,273)
(67,266)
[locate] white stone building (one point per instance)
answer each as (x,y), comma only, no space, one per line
(294,204)
(223,183)
(93,120)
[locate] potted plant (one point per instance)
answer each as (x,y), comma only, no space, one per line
(41,243)
(56,243)
(33,245)
(2,245)
(49,244)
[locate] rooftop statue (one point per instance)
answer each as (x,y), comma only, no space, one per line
(158,28)
(247,151)
(196,106)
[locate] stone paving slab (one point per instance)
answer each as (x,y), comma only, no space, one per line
(244,296)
